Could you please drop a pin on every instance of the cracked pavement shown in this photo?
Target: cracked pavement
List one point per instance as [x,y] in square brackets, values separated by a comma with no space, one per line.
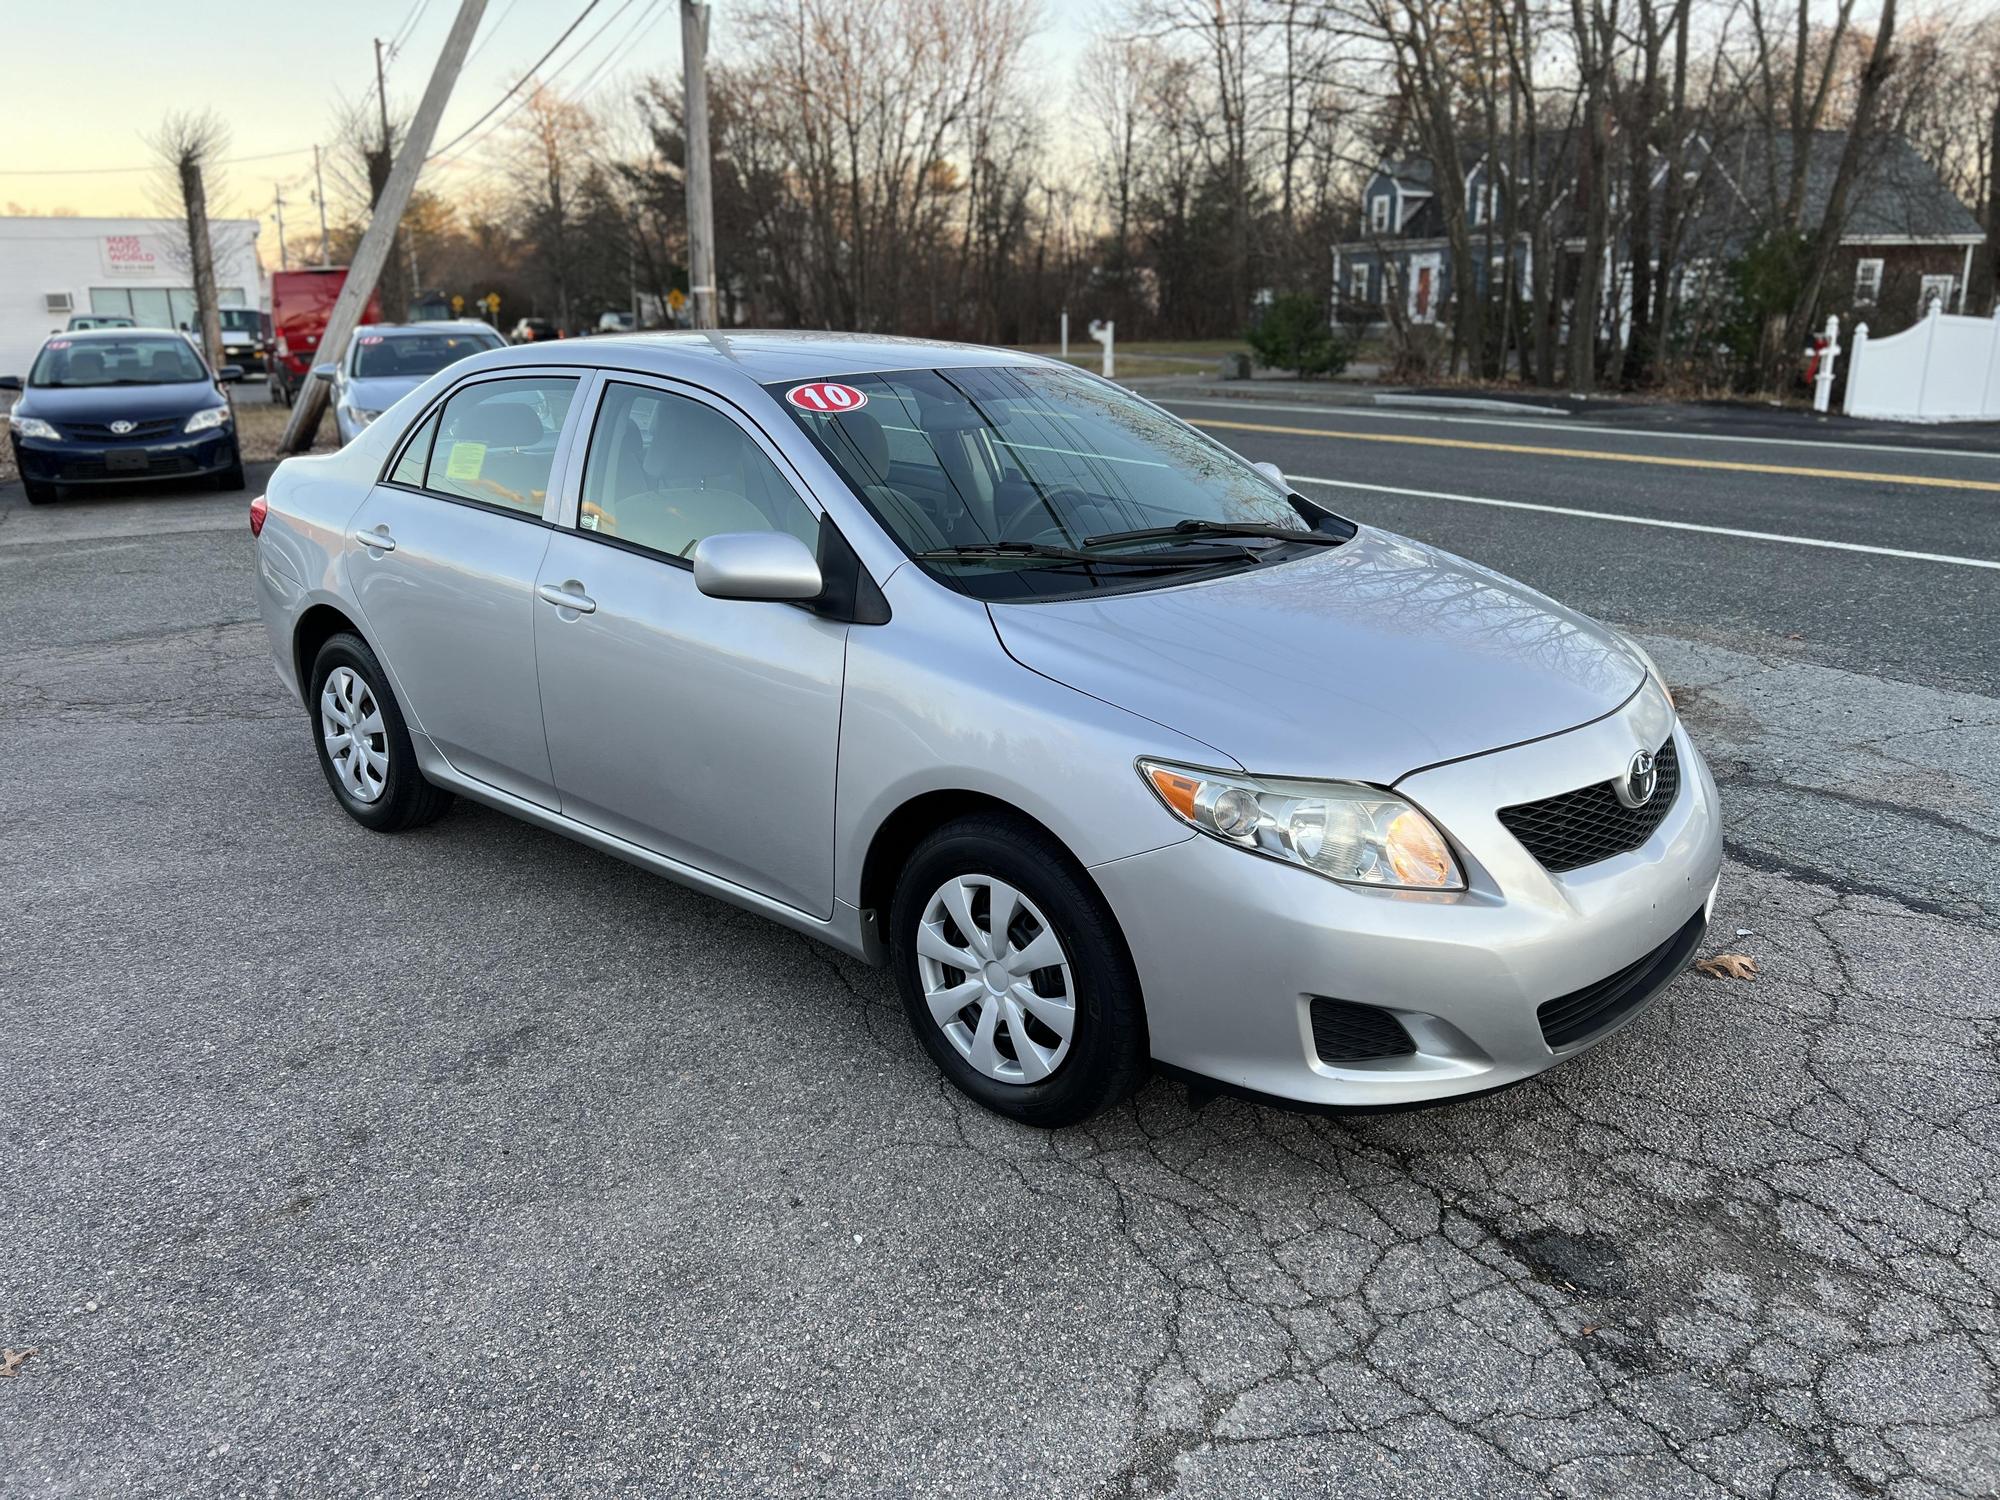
[472,1160]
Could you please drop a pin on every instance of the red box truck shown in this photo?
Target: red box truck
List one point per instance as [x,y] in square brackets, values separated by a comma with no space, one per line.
[301,302]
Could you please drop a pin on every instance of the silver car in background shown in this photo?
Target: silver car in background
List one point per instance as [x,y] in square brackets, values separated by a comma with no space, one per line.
[386,361]
[1119,752]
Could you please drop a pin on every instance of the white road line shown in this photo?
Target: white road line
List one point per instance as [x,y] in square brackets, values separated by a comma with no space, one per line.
[1600,515]
[1573,428]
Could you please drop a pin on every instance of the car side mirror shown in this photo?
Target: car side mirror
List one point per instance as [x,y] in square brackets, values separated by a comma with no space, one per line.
[756,565]
[1275,474]
[325,372]
[10,382]
[229,372]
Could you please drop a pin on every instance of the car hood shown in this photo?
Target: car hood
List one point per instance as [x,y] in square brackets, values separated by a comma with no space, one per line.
[382,392]
[110,403]
[1363,662]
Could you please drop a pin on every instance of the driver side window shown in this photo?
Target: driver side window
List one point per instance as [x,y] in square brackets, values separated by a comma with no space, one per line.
[663,472]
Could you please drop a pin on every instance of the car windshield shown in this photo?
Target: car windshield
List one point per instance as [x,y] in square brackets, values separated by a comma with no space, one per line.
[239,319]
[144,359]
[380,356]
[1030,463]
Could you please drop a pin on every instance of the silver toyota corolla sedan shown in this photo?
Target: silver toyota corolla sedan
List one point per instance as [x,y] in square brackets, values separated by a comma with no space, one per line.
[1115,749]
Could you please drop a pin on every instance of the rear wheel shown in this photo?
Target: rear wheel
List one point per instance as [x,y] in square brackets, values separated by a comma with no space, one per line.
[39,491]
[364,746]
[1014,975]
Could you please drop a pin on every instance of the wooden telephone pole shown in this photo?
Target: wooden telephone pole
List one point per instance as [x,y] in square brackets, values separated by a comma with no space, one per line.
[380,237]
[700,203]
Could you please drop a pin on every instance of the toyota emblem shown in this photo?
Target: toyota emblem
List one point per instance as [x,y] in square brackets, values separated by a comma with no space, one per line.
[122,427]
[1642,779]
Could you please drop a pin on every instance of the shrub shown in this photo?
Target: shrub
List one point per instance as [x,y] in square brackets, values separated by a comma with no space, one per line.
[1294,335]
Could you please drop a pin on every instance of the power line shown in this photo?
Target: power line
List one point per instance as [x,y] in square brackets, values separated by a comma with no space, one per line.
[150,166]
[647,21]
[480,45]
[593,4]
[409,27]
[557,70]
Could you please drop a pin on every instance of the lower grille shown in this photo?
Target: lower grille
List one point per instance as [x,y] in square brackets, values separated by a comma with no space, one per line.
[1572,1017]
[1344,1032]
[1574,829]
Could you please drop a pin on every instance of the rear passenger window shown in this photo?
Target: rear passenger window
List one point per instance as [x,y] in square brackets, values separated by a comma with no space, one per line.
[496,441]
[664,472]
[416,457]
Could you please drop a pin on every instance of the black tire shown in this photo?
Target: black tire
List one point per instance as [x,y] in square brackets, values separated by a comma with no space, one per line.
[1107,1057]
[407,799]
[232,478]
[39,491]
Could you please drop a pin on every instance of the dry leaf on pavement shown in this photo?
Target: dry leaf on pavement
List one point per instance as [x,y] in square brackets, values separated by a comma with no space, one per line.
[1729,966]
[11,1361]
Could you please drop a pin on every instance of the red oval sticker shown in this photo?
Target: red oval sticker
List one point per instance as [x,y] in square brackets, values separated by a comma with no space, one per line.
[826,397]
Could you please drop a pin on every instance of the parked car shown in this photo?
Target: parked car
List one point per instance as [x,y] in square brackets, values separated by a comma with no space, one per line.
[301,303]
[105,405]
[79,322]
[386,361]
[533,331]
[1113,746]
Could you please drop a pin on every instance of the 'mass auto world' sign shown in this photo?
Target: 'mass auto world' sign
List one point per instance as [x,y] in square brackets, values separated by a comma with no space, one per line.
[130,255]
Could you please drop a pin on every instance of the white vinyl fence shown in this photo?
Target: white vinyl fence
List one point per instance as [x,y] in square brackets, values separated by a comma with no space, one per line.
[1945,369]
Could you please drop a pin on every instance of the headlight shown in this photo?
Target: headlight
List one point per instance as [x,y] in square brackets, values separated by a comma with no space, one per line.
[207,417]
[35,427]
[361,418]
[1339,829]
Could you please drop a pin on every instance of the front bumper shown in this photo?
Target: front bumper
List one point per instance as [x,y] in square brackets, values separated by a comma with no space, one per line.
[72,461]
[1231,949]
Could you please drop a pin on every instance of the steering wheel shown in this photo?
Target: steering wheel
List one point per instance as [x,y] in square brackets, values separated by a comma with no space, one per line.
[1065,504]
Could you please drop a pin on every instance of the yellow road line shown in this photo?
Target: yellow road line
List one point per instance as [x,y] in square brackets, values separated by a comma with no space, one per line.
[1930,480]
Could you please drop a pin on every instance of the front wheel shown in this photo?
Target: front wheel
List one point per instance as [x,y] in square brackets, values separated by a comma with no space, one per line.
[1014,974]
[364,747]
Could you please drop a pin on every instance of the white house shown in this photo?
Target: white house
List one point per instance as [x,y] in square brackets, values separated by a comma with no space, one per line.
[136,268]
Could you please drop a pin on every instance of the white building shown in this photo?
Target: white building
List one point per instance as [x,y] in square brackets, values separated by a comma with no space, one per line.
[135,268]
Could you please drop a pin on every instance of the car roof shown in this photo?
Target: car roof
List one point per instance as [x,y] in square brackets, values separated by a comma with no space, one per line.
[111,335]
[723,359]
[435,325]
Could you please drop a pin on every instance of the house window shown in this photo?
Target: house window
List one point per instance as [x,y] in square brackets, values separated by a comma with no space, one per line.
[1357,282]
[1867,281]
[1936,289]
[1378,213]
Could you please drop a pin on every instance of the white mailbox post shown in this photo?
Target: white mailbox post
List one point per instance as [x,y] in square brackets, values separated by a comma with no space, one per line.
[1103,332]
[1823,372]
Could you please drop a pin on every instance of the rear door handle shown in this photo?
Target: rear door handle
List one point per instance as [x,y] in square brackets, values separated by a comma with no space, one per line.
[562,598]
[379,539]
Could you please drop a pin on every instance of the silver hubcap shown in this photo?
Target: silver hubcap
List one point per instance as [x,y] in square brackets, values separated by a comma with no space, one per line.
[996,979]
[350,721]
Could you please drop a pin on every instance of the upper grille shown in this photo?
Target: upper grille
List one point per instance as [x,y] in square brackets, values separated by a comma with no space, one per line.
[1574,829]
[151,427]
[1346,1032]
[1572,1017]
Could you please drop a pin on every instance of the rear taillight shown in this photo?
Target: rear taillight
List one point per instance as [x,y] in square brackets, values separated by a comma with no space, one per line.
[259,508]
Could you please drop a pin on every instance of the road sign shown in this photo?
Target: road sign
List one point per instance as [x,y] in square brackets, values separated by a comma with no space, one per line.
[677,299]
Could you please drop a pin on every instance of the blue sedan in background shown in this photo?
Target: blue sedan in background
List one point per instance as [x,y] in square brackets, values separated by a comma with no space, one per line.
[386,361]
[113,404]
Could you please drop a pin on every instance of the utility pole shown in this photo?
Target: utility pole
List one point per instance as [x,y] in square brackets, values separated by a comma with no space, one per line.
[319,197]
[379,240]
[700,204]
[381,94]
[284,263]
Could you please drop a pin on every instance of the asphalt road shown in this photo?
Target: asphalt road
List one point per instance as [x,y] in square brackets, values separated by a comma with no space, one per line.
[470,1160]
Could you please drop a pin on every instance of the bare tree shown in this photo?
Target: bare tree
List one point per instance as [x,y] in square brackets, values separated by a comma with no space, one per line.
[189,144]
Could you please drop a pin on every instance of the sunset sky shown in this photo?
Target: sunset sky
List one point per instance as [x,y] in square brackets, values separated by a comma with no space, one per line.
[86,82]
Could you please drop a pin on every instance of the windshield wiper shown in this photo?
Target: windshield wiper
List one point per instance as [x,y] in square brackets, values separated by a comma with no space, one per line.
[1193,528]
[976,550]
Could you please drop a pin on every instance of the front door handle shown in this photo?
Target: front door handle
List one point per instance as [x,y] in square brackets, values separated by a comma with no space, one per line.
[567,596]
[379,539]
